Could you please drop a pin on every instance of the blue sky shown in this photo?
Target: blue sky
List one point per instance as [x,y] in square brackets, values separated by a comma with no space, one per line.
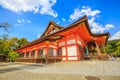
[29,18]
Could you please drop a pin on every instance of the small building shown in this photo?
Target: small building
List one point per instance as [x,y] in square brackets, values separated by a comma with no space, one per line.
[58,43]
[3,58]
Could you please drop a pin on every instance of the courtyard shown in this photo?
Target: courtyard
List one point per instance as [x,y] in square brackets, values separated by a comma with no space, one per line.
[102,70]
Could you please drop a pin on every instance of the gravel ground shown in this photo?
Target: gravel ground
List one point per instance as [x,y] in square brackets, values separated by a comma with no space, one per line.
[105,70]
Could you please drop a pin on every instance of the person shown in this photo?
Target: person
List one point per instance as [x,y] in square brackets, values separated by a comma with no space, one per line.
[111,58]
[99,56]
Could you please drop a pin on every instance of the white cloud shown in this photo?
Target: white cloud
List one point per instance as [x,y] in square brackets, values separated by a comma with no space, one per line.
[115,36]
[36,6]
[24,21]
[78,12]
[63,19]
[95,27]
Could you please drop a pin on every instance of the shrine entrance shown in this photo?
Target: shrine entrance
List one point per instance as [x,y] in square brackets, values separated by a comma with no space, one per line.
[92,48]
[91,51]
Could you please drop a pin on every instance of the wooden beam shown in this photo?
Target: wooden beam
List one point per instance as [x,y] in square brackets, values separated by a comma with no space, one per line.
[98,49]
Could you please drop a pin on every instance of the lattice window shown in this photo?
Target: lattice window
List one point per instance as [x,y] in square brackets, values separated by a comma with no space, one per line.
[27,54]
[50,52]
[33,53]
[59,52]
[71,41]
[61,44]
[40,52]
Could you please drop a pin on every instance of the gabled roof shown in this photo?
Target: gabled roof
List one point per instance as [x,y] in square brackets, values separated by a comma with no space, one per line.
[61,29]
[51,25]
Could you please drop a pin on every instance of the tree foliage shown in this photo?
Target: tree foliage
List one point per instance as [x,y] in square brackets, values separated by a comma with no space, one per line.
[113,47]
[5,26]
[117,51]
[13,55]
[4,46]
[8,44]
[21,42]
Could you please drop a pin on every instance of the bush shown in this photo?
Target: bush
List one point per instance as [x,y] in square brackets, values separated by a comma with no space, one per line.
[13,55]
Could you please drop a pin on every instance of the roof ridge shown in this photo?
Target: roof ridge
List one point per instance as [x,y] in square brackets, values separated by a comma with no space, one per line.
[80,19]
[55,25]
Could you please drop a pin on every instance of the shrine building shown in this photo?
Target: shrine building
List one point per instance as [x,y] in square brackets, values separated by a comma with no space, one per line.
[58,43]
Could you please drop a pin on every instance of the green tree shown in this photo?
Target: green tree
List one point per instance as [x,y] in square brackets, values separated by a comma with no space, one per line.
[22,41]
[4,37]
[5,26]
[13,55]
[111,46]
[117,51]
[4,46]
[9,44]
[13,43]
[102,49]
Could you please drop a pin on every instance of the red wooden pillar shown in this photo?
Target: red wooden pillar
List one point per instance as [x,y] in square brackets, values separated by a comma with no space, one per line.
[30,52]
[77,49]
[54,54]
[36,53]
[23,60]
[25,54]
[57,51]
[29,60]
[47,48]
[66,49]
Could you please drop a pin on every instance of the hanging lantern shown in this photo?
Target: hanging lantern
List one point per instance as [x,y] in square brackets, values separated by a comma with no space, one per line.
[47,42]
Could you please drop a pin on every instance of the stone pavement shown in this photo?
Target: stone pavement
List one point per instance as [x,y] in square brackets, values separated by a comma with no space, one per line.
[105,70]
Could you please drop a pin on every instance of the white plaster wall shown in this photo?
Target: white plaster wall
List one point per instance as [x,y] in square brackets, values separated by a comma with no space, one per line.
[63,51]
[54,52]
[61,44]
[72,58]
[72,50]
[63,58]
[71,41]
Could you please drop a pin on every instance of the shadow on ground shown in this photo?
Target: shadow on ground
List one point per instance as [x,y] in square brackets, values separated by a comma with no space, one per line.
[8,67]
